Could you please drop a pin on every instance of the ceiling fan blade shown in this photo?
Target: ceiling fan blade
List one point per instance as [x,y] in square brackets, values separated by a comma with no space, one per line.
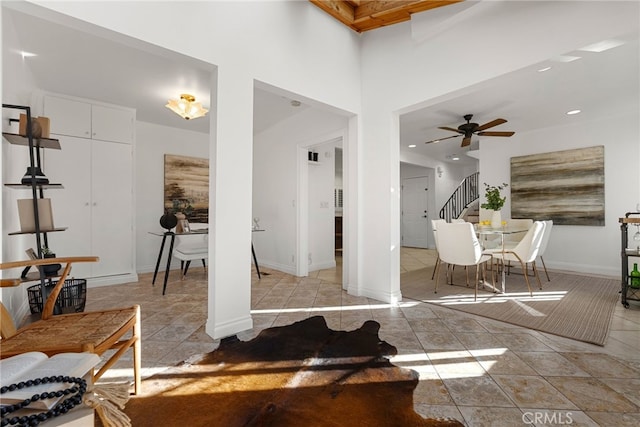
[491,124]
[441,139]
[496,133]
[451,129]
[466,141]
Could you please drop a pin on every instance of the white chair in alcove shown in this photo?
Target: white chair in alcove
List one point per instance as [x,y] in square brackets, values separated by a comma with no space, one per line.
[458,245]
[193,246]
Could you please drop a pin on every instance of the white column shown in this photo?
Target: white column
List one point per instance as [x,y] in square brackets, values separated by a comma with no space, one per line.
[380,184]
[229,304]
[351,226]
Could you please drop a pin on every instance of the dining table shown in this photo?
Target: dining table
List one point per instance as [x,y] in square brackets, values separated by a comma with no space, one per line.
[487,231]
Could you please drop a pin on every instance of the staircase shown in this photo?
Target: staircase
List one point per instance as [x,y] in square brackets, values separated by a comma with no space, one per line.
[464,202]
[472,212]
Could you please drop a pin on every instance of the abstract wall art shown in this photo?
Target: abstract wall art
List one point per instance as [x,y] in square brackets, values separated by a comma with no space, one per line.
[564,186]
[186,186]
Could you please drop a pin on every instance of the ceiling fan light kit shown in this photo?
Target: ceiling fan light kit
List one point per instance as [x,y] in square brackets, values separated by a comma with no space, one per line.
[467,130]
[187,107]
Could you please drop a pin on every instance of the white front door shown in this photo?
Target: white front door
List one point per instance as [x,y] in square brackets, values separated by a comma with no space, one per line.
[415,215]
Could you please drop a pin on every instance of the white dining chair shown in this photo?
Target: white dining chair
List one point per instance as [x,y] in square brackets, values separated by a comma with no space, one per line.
[434,226]
[511,240]
[191,247]
[458,245]
[548,225]
[525,252]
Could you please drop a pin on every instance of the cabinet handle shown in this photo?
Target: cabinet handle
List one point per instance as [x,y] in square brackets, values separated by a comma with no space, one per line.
[86,204]
[94,203]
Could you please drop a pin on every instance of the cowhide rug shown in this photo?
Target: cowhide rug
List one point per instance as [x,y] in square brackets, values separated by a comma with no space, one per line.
[304,374]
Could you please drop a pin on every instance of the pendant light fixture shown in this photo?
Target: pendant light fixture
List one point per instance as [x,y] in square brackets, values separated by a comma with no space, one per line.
[187,107]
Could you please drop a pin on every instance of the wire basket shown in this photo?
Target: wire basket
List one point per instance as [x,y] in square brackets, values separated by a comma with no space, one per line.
[71,299]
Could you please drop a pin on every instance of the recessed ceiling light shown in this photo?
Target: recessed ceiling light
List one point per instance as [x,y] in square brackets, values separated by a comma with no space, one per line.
[412,146]
[564,58]
[572,112]
[602,46]
[455,158]
[542,70]
[295,103]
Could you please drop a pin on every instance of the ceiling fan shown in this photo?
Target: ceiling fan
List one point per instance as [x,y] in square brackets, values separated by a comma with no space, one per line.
[468,129]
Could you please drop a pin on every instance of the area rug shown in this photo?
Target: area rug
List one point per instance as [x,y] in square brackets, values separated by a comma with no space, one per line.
[572,306]
[303,374]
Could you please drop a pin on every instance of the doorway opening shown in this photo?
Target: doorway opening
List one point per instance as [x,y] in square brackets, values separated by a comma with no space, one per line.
[320,225]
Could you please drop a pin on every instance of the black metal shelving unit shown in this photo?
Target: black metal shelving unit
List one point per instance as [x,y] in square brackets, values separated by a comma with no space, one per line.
[37,189]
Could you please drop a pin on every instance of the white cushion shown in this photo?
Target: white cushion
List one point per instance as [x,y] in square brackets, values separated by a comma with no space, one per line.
[189,250]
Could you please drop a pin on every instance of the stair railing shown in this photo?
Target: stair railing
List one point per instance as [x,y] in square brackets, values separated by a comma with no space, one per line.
[466,193]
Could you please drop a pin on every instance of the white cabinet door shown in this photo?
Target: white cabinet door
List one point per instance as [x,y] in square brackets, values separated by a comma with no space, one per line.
[71,206]
[85,120]
[96,204]
[112,124]
[112,208]
[68,117]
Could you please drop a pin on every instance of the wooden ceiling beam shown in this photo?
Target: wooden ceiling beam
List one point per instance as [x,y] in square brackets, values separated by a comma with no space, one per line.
[341,10]
[364,15]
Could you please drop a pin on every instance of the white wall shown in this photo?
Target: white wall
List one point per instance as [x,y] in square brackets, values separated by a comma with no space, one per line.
[152,143]
[586,249]
[275,186]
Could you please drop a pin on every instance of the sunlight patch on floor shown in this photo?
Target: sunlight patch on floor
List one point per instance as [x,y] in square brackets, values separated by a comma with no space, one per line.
[334,308]
[498,298]
[448,364]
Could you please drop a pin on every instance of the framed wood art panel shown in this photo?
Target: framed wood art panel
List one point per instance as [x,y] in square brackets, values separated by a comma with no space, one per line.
[564,186]
[186,186]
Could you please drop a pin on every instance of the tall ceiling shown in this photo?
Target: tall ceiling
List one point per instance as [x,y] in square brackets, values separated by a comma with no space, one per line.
[598,83]
[84,65]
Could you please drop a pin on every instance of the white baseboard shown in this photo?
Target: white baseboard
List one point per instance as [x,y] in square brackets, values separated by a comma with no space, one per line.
[322,265]
[581,269]
[289,269]
[228,328]
[119,279]
[388,297]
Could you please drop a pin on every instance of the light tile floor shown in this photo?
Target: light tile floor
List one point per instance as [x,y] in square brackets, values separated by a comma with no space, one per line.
[479,371]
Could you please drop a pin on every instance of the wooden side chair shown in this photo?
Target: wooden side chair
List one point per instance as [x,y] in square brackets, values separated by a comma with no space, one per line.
[95,332]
